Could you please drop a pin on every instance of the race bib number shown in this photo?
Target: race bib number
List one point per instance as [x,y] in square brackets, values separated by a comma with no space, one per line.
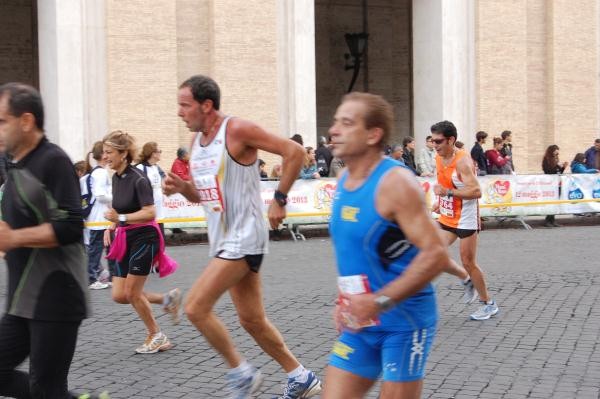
[354,285]
[447,206]
[210,193]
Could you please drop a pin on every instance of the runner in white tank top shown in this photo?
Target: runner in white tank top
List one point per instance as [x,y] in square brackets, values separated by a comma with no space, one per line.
[225,180]
[230,193]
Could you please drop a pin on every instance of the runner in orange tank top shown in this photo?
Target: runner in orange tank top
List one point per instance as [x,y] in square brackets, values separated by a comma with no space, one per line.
[458,191]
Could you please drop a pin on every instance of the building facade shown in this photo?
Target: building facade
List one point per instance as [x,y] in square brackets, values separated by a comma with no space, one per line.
[529,66]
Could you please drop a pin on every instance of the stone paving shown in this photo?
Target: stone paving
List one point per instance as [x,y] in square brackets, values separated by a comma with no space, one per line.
[542,344]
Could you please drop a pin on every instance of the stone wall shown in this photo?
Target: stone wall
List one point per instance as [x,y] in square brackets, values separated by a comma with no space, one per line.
[18,42]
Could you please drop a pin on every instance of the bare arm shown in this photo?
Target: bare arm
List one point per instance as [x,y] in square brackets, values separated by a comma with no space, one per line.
[292,154]
[41,236]
[408,209]
[144,215]
[471,190]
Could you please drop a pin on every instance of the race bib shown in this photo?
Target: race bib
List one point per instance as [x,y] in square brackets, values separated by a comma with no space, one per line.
[447,206]
[210,193]
[354,285]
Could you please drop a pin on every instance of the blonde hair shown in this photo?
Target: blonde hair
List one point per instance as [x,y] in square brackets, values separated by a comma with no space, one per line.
[147,150]
[121,142]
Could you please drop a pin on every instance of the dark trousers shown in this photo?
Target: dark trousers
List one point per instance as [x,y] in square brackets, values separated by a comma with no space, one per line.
[50,347]
[94,252]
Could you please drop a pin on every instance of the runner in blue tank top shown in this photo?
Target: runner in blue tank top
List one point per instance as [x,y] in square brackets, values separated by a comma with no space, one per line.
[387,250]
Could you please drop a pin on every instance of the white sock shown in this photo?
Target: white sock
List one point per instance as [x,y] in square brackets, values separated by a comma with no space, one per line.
[299,373]
[465,281]
[166,299]
[490,302]
[243,368]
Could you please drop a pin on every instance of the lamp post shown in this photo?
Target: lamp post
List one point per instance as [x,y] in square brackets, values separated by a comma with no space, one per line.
[357,43]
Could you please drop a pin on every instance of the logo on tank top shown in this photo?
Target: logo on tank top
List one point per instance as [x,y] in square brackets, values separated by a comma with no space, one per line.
[349,213]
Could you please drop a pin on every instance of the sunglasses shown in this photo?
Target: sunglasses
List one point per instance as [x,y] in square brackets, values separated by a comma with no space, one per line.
[438,141]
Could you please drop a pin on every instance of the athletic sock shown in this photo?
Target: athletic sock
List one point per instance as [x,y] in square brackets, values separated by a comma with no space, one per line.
[490,302]
[166,299]
[299,374]
[466,281]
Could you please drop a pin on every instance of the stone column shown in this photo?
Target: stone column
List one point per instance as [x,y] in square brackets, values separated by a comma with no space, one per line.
[296,69]
[443,66]
[72,65]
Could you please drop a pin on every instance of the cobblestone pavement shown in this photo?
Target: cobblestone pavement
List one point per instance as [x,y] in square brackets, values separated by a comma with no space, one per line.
[542,344]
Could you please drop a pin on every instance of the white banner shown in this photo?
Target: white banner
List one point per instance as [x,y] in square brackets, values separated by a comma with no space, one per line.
[314,197]
[580,187]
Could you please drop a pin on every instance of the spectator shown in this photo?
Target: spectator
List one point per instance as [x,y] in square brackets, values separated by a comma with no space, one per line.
[276,171]
[336,167]
[426,159]
[552,166]
[97,186]
[578,165]
[409,153]
[298,139]
[3,163]
[323,156]
[148,163]
[181,165]
[309,170]
[261,169]
[592,156]
[397,152]
[506,150]
[497,164]
[80,168]
[478,155]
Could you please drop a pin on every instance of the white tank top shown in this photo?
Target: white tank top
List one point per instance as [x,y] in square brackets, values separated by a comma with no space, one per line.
[230,194]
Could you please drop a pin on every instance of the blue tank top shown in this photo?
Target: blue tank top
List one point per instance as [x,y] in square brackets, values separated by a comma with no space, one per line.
[366,243]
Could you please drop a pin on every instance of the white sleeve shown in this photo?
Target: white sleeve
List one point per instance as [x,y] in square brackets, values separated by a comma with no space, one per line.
[101,188]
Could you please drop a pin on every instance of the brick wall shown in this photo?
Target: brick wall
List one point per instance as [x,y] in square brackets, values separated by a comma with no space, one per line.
[537,74]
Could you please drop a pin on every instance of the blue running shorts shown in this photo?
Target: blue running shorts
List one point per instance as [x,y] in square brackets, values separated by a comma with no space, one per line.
[401,356]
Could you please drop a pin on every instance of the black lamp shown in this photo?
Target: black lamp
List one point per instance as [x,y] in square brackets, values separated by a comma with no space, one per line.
[357,43]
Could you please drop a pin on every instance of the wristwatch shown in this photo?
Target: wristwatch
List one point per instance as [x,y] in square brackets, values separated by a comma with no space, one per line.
[280,198]
[384,302]
[450,193]
[122,219]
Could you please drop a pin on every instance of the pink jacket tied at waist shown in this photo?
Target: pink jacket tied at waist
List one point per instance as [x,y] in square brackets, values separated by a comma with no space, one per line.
[166,265]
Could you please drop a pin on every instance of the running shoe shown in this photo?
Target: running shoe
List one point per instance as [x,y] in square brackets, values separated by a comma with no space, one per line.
[301,389]
[173,305]
[244,385]
[470,294]
[98,285]
[155,343]
[485,311]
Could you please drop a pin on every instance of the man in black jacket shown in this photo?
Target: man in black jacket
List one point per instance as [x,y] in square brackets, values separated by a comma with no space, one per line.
[478,154]
[42,236]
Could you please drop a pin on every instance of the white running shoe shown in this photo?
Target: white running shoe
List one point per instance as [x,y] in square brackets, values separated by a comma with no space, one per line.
[485,311]
[470,295]
[173,305]
[244,385]
[155,343]
[98,285]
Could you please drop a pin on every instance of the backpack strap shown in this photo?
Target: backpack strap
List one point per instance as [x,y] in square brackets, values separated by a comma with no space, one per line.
[88,182]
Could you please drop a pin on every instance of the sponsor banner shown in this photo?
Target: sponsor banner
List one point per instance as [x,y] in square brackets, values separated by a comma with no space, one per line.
[314,197]
[580,187]
[499,189]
